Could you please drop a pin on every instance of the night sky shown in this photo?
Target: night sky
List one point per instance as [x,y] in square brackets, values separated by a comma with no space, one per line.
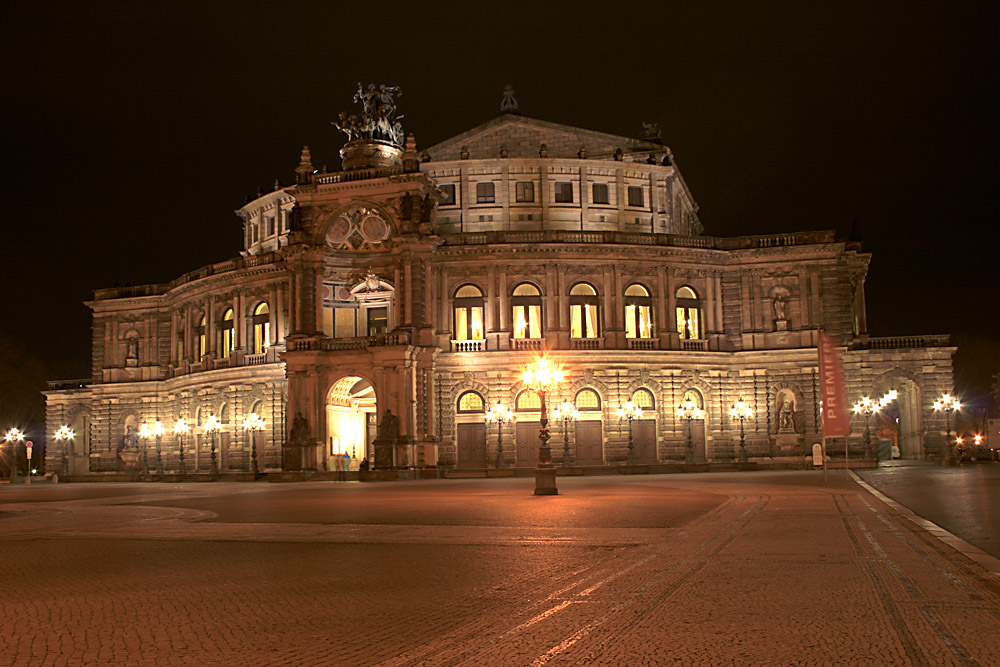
[131,131]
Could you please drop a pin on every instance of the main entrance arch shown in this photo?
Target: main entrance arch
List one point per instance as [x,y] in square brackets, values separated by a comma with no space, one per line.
[350,421]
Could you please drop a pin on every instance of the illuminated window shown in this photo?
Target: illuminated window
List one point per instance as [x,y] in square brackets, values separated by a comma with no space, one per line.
[378,320]
[261,328]
[643,398]
[485,193]
[638,312]
[227,341]
[564,192]
[527,303]
[587,400]
[469,307]
[584,311]
[527,401]
[634,195]
[688,314]
[202,348]
[449,194]
[524,191]
[601,193]
[471,401]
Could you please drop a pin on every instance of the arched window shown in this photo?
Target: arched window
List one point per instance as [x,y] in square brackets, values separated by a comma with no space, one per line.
[261,328]
[227,341]
[527,303]
[200,332]
[694,396]
[527,401]
[469,308]
[688,313]
[644,399]
[638,312]
[471,402]
[587,400]
[584,311]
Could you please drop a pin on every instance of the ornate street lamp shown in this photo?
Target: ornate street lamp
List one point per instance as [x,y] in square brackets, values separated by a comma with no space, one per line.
[542,377]
[742,412]
[180,430]
[629,411]
[688,411]
[867,407]
[158,431]
[63,435]
[14,436]
[499,413]
[949,404]
[253,424]
[144,432]
[567,412]
[213,426]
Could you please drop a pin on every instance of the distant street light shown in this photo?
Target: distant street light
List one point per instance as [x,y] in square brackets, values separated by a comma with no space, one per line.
[180,430]
[629,411]
[158,432]
[144,432]
[567,412]
[688,411]
[742,412]
[14,436]
[500,414]
[542,377]
[867,407]
[253,424]
[213,426]
[949,404]
[63,435]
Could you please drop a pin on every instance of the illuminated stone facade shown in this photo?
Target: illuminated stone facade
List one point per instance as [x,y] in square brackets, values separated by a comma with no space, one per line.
[415,278]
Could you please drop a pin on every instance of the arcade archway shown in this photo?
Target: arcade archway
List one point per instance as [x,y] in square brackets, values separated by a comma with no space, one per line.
[350,422]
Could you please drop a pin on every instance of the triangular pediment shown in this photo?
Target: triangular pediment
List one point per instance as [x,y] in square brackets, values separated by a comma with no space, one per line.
[522,137]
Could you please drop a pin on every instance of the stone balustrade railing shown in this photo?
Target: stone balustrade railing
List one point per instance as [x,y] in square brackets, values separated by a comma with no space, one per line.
[227,266]
[900,342]
[637,238]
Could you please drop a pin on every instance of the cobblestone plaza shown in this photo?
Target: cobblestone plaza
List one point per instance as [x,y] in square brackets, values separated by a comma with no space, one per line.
[742,569]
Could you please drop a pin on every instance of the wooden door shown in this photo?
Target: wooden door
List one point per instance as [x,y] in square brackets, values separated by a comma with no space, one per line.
[698,440]
[589,443]
[644,440]
[526,434]
[472,445]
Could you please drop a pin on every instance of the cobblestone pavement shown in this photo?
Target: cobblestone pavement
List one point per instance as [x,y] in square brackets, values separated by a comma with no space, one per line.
[714,569]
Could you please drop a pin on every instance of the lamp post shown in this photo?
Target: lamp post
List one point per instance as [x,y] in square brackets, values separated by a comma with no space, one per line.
[63,435]
[567,412]
[742,412]
[541,377]
[499,413]
[687,411]
[213,426]
[144,432]
[252,424]
[14,436]
[158,431]
[887,398]
[867,407]
[949,404]
[629,411]
[180,430]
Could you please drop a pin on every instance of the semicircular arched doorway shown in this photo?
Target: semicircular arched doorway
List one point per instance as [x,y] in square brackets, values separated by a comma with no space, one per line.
[350,422]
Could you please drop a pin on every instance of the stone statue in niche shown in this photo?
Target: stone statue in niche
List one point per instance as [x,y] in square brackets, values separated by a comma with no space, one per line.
[300,430]
[786,416]
[131,349]
[780,304]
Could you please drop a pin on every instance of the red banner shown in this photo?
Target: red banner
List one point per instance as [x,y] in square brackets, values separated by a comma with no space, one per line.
[836,412]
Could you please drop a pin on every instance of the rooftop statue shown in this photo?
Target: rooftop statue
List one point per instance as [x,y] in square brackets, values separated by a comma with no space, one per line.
[378,120]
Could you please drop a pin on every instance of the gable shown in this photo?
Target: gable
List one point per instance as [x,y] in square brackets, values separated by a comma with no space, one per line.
[523,138]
